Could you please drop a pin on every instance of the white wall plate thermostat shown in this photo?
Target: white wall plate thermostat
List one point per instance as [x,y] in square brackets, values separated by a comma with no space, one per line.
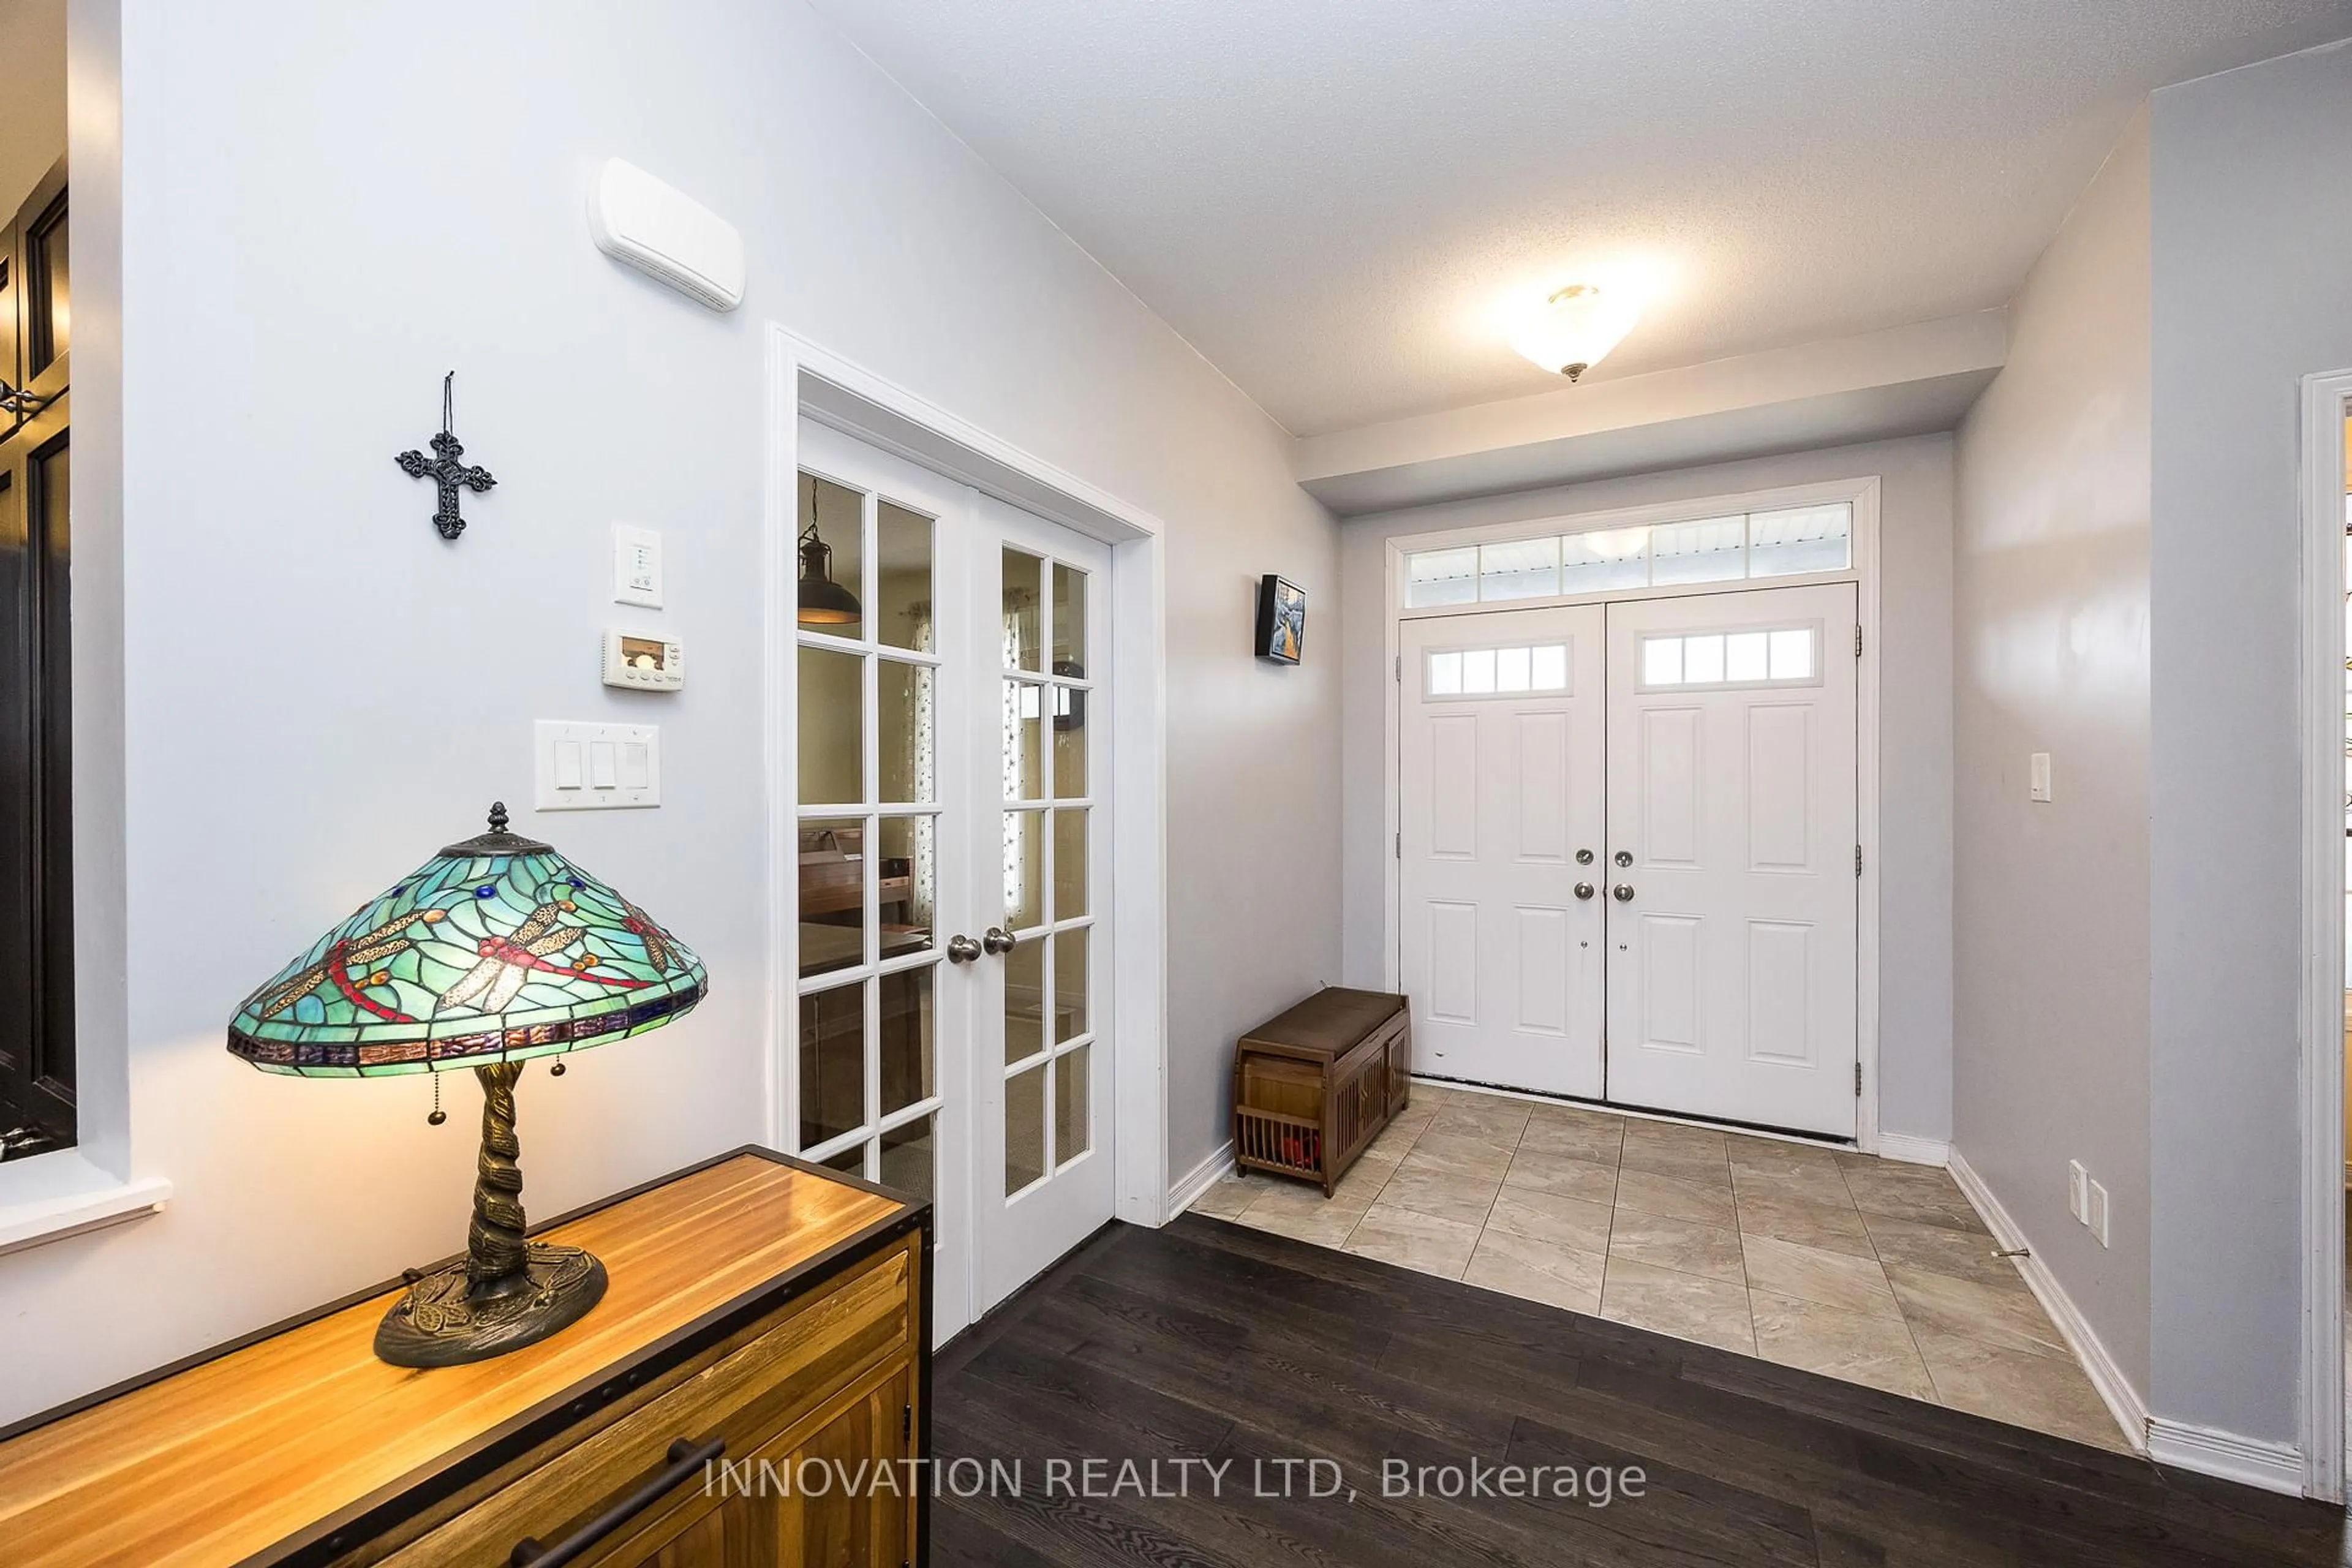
[642,663]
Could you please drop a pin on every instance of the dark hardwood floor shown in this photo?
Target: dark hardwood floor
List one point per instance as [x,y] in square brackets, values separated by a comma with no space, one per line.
[1212,1342]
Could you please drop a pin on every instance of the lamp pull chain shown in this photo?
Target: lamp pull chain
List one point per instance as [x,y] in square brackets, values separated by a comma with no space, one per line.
[439,1115]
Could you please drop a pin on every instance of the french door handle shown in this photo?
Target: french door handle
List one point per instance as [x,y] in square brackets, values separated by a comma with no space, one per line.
[1622,892]
[962,950]
[1584,889]
[999,940]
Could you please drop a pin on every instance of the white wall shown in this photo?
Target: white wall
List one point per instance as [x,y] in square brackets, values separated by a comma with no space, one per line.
[325,207]
[1915,725]
[2050,1040]
[32,96]
[2252,289]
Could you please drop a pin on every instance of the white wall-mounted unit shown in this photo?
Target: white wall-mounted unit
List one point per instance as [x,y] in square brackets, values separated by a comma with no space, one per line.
[666,234]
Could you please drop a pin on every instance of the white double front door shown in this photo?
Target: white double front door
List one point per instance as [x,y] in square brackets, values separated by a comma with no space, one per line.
[953,837]
[1627,852]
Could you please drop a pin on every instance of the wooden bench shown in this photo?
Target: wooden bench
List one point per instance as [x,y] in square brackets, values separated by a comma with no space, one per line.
[1315,1085]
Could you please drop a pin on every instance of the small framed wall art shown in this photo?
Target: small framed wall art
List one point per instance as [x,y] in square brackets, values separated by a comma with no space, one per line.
[1281,619]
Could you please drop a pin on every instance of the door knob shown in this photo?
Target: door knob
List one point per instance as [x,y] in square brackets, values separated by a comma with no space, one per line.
[1584,889]
[962,950]
[1622,892]
[999,940]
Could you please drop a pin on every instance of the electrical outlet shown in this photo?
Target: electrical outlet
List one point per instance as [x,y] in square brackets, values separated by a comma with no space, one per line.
[2095,1217]
[2038,777]
[2078,1200]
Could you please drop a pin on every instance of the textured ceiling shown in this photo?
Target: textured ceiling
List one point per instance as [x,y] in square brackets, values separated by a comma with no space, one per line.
[1339,202]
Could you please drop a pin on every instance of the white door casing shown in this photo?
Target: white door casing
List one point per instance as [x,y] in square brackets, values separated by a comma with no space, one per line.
[1500,790]
[1732,793]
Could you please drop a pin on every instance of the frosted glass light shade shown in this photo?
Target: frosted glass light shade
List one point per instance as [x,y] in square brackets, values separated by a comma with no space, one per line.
[1575,330]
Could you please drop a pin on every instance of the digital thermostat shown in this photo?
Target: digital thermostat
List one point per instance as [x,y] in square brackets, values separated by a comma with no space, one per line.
[643,663]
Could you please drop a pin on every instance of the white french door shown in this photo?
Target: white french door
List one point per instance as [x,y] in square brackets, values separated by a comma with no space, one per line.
[1733,854]
[952,898]
[1627,851]
[1500,806]
[1042,1178]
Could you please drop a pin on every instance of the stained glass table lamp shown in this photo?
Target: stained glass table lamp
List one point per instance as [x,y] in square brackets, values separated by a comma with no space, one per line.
[495,951]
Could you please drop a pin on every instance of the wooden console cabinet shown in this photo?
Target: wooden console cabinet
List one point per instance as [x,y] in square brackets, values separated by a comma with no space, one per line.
[1312,1086]
[761,1309]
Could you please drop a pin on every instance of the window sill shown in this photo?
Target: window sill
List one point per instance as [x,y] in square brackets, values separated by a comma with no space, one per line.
[51,1196]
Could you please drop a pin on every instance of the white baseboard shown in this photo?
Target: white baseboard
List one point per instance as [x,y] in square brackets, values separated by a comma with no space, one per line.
[1198,1180]
[2123,1401]
[1913,1150]
[2274,1467]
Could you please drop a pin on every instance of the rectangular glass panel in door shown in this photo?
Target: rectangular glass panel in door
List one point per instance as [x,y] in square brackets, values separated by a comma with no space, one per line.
[1045,1132]
[879,1086]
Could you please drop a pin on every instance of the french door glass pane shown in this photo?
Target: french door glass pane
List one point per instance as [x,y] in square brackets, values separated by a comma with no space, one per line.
[906,731]
[1070,745]
[850,1162]
[833,1063]
[1072,1134]
[833,894]
[907,884]
[909,1155]
[1025,1001]
[1024,869]
[831,727]
[1024,770]
[1069,983]
[908,1037]
[1069,620]
[1025,1128]
[1069,862]
[902,579]
[1024,578]
[839,517]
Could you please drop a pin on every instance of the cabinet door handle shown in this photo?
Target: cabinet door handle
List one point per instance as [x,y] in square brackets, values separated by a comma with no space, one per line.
[684,1459]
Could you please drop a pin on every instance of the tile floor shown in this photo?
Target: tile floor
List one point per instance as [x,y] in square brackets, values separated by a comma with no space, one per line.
[1842,1263]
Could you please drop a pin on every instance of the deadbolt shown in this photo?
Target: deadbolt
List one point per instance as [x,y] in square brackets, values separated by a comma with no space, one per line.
[962,950]
[1624,857]
[1622,892]
[1584,857]
[1584,889]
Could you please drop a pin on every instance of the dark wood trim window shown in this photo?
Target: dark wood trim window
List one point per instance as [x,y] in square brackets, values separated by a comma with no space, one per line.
[36,997]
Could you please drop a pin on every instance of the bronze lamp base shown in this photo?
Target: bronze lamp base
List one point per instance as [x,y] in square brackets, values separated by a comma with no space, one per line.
[509,1292]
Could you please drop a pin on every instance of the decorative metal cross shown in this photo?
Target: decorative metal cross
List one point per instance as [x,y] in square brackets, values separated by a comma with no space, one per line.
[446,471]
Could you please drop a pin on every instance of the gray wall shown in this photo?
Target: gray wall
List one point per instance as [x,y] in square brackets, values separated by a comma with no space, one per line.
[2253,289]
[1915,726]
[325,207]
[2050,1028]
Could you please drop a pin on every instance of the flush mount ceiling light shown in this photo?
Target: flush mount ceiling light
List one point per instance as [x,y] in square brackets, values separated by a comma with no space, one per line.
[1576,329]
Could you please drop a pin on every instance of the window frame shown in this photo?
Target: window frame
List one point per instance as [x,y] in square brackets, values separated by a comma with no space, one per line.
[1860,495]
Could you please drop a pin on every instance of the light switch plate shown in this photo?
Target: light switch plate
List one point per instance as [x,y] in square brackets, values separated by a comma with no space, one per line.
[597,767]
[636,566]
[2078,1181]
[2096,1218]
[2038,776]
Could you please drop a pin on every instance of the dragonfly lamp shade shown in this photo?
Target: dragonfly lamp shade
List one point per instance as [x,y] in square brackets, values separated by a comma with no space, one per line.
[495,951]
